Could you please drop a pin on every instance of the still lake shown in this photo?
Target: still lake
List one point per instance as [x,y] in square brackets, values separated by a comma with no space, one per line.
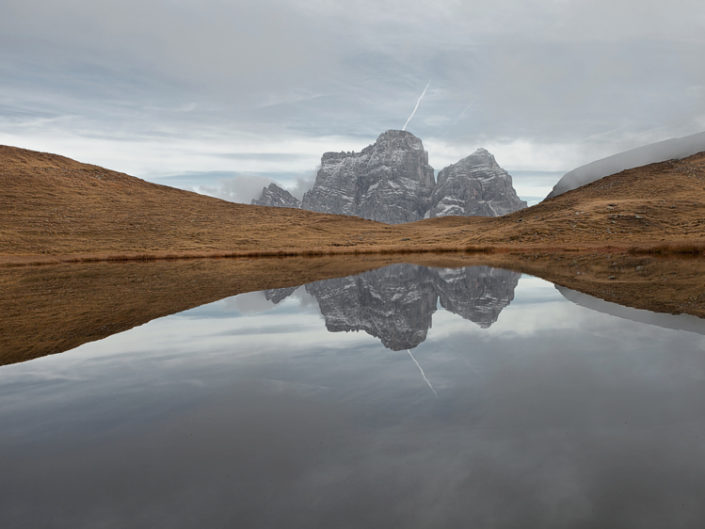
[401,397]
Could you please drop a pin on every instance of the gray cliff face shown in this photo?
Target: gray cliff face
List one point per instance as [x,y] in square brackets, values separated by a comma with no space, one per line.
[476,185]
[388,181]
[391,181]
[273,195]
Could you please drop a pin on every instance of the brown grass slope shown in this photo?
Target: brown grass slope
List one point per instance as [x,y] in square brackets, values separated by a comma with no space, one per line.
[57,208]
[658,203]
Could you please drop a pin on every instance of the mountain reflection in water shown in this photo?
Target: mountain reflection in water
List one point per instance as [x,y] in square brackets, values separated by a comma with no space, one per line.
[396,303]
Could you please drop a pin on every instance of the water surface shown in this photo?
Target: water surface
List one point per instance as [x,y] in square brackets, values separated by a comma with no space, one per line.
[402,397]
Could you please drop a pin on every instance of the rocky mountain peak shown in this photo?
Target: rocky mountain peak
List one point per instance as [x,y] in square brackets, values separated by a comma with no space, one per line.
[389,181]
[475,185]
[275,196]
[399,139]
[481,158]
[481,151]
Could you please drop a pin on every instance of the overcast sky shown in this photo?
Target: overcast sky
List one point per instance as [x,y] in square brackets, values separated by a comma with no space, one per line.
[225,96]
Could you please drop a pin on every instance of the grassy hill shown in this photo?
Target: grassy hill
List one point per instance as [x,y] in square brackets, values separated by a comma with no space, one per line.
[54,208]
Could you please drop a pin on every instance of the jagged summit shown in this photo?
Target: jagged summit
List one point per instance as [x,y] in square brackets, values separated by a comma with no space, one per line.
[481,157]
[273,195]
[399,138]
[481,151]
[389,181]
[475,185]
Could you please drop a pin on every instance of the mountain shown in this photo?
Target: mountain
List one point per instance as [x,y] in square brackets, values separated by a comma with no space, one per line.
[389,181]
[275,196]
[476,185]
[673,149]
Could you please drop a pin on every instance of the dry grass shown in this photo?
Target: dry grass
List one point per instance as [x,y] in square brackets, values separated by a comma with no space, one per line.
[56,209]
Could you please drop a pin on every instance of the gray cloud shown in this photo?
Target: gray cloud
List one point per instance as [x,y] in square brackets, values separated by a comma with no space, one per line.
[585,79]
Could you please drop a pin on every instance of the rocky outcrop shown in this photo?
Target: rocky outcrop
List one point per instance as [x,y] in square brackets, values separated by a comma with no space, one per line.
[273,195]
[476,185]
[388,181]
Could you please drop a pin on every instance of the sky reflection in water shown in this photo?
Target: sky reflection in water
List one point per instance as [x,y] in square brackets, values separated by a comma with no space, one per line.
[247,413]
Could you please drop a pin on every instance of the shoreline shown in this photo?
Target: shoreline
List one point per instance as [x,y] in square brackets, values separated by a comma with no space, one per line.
[655,249]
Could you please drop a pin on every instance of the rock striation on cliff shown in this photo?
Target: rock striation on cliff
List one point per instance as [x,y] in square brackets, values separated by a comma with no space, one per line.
[389,181]
[273,195]
[476,185]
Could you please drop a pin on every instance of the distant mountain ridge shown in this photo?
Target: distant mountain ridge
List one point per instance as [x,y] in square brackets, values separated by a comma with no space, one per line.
[275,196]
[391,181]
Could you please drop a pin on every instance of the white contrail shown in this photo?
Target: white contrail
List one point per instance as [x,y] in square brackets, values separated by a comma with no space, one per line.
[416,106]
[428,382]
